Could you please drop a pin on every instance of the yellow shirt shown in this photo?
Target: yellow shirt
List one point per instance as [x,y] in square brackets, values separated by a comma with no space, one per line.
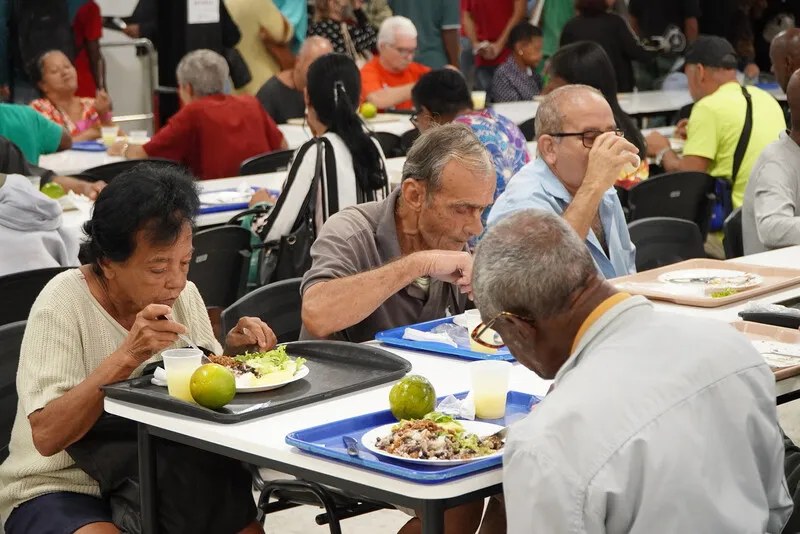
[716,124]
[250,16]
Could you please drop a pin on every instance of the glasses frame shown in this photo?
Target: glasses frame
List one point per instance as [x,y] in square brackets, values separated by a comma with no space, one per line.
[582,135]
[479,330]
[414,119]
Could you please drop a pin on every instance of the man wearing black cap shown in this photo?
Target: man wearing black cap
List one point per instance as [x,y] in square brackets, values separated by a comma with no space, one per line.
[718,118]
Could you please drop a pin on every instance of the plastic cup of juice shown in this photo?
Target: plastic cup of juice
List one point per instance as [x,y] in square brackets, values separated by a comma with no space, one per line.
[180,364]
[478,99]
[109,134]
[473,319]
[490,388]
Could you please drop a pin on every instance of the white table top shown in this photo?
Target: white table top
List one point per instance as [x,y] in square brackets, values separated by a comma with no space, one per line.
[70,162]
[264,437]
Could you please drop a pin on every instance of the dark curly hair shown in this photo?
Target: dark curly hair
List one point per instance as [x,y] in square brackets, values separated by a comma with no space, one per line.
[158,199]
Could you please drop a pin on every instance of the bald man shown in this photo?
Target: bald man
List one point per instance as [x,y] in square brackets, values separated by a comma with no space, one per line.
[771,209]
[784,52]
[282,95]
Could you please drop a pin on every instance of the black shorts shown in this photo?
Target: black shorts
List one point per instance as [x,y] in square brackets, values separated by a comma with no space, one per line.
[63,512]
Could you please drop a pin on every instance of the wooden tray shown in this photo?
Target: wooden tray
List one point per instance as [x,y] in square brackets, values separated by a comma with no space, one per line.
[775,278]
[765,332]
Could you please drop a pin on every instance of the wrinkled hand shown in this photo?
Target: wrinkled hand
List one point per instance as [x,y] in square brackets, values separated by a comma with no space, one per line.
[447,266]
[492,51]
[680,129]
[656,142]
[92,189]
[102,103]
[250,332]
[752,70]
[149,335]
[116,148]
[134,31]
[608,156]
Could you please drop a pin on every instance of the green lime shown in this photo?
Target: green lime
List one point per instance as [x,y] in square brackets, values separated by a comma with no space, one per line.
[212,386]
[368,110]
[412,398]
[53,190]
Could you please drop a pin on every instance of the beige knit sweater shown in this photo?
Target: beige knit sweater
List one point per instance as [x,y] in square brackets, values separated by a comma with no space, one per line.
[68,335]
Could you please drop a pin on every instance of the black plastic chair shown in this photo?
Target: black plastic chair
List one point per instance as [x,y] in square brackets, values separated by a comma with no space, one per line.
[221,264]
[10,344]
[391,144]
[733,241]
[110,171]
[680,195]
[528,129]
[265,163]
[278,304]
[19,291]
[408,138]
[663,241]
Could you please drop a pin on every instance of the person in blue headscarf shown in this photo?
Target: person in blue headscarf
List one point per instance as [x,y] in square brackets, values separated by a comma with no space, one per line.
[296,12]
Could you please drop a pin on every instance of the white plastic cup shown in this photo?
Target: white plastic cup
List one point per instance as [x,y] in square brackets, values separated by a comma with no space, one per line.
[478,100]
[137,137]
[109,134]
[180,364]
[490,388]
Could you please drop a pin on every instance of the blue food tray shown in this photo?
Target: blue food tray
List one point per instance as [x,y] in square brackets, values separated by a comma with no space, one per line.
[326,441]
[217,208]
[89,146]
[394,337]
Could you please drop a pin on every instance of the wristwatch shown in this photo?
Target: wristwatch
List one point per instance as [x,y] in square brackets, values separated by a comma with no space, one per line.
[660,155]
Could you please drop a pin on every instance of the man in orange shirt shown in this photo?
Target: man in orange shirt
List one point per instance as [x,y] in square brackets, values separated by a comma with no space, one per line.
[388,78]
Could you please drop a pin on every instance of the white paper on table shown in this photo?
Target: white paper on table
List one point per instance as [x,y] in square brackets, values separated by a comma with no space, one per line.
[417,335]
[79,202]
[202,11]
[159,377]
[777,354]
[462,409]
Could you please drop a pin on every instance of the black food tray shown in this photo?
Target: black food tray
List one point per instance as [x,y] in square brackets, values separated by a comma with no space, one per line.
[336,368]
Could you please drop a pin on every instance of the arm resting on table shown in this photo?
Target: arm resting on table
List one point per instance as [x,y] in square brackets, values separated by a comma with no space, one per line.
[391,96]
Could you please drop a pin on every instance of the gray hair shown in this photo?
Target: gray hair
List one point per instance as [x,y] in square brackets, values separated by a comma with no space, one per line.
[550,115]
[440,145]
[394,26]
[205,70]
[530,263]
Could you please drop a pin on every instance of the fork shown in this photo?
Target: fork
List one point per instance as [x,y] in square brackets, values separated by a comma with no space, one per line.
[500,434]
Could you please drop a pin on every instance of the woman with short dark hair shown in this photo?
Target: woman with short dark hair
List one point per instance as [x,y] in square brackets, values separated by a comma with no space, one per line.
[595,22]
[99,324]
[517,79]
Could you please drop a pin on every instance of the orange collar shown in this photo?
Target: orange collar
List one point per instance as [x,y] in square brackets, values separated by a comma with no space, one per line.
[598,312]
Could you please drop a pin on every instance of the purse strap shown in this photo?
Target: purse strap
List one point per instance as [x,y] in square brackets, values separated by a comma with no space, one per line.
[348,41]
[744,139]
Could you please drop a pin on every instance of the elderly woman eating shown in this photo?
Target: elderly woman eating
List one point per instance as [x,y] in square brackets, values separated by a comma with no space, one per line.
[99,324]
[57,79]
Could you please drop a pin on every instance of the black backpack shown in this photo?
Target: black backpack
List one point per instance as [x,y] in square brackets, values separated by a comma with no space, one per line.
[37,26]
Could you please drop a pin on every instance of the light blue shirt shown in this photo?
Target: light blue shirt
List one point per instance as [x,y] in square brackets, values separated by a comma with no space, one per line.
[536,187]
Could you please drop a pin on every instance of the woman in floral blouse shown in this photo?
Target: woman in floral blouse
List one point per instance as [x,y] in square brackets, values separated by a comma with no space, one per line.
[330,19]
[57,79]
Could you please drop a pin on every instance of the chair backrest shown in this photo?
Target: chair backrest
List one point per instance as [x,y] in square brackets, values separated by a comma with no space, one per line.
[110,171]
[10,344]
[680,195]
[220,264]
[272,162]
[663,241]
[391,144]
[277,304]
[408,138]
[733,241]
[528,130]
[19,291]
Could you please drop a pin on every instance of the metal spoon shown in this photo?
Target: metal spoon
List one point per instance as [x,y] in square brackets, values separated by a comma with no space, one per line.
[185,339]
[500,434]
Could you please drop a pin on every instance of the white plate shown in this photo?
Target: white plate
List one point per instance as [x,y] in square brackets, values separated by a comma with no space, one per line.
[213,198]
[724,278]
[302,373]
[472,427]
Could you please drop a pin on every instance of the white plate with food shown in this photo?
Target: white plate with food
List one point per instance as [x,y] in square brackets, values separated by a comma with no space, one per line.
[263,371]
[778,355]
[221,198]
[722,278]
[425,442]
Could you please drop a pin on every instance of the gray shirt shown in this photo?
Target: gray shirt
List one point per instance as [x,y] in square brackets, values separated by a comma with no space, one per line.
[281,102]
[770,217]
[364,237]
[647,432]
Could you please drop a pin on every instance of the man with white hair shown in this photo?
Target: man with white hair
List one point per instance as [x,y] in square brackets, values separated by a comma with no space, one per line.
[582,154]
[644,430]
[213,133]
[388,78]
[282,95]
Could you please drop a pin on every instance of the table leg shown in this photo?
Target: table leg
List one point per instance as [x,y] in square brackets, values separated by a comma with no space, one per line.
[147,480]
[432,517]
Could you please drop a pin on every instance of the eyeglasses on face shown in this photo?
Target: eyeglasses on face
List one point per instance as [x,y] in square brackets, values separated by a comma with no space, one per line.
[484,335]
[404,51]
[589,136]
[414,118]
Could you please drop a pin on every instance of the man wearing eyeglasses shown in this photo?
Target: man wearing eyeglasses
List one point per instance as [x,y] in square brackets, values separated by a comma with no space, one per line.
[656,422]
[581,155]
[387,80]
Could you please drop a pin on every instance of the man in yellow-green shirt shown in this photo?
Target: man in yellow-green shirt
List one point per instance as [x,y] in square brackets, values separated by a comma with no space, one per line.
[718,117]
